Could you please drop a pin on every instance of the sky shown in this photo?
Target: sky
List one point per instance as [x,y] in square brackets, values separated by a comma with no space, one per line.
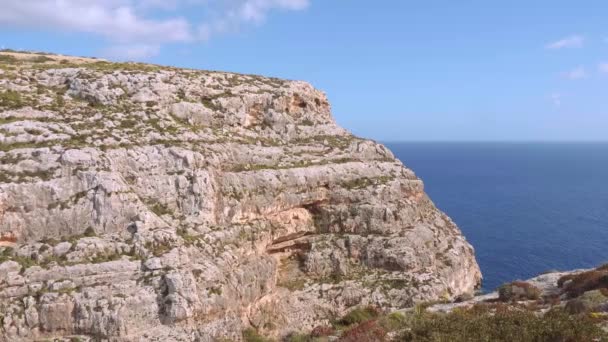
[394,70]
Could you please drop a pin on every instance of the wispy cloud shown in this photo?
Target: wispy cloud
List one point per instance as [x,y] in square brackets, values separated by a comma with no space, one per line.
[139,28]
[556,99]
[573,41]
[575,74]
[603,67]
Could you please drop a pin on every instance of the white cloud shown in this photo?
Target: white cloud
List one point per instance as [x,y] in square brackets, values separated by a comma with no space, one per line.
[138,28]
[245,12]
[576,73]
[603,67]
[573,41]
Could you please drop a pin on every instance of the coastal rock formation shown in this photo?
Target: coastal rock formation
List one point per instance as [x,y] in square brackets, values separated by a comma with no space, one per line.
[140,202]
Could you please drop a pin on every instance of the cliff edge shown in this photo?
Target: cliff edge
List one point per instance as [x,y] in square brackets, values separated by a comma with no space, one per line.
[140,202]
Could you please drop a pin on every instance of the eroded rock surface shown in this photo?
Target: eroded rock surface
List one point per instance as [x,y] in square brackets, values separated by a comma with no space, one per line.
[151,203]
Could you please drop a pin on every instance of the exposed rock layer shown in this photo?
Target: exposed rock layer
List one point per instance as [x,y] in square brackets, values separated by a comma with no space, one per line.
[150,203]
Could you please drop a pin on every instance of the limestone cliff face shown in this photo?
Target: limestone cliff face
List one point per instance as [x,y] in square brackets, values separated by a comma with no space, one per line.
[151,203]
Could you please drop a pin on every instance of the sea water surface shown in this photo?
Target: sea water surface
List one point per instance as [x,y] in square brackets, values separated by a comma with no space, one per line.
[526,207]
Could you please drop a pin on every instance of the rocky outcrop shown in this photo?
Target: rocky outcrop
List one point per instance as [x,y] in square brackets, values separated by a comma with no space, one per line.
[577,292]
[140,202]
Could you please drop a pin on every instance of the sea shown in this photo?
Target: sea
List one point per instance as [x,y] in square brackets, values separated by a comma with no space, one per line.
[527,208]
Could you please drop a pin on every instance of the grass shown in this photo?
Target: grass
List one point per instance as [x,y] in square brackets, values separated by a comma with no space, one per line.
[158,248]
[359,315]
[128,124]
[7,254]
[251,335]
[293,284]
[503,323]
[160,209]
[361,183]
[40,59]
[7,59]
[482,322]
[11,99]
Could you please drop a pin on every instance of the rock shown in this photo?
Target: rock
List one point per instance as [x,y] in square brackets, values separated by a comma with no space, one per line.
[62,248]
[139,201]
[153,264]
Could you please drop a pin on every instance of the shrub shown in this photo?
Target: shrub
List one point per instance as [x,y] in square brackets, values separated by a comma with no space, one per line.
[7,59]
[11,99]
[251,335]
[576,284]
[393,321]
[322,331]
[368,331]
[481,323]
[575,306]
[89,232]
[40,59]
[359,315]
[518,290]
[587,302]
[295,337]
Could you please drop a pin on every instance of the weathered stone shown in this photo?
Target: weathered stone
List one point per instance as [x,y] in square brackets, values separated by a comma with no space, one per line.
[167,204]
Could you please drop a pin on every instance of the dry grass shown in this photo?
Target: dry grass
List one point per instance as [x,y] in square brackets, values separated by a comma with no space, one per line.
[575,285]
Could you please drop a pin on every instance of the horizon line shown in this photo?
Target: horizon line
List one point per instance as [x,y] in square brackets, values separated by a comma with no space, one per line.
[496,141]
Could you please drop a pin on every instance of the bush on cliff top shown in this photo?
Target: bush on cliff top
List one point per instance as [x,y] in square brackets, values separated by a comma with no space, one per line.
[359,315]
[503,323]
[575,285]
[251,335]
[518,290]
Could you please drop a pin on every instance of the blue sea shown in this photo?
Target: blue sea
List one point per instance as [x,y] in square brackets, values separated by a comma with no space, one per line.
[526,207]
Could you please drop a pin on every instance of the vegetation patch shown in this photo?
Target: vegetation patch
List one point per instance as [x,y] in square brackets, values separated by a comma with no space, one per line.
[158,248]
[576,284]
[588,302]
[518,290]
[251,335]
[361,183]
[501,323]
[11,99]
[368,331]
[8,59]
[359,315]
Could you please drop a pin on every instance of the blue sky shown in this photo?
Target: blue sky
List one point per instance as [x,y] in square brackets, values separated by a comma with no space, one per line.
[393,70]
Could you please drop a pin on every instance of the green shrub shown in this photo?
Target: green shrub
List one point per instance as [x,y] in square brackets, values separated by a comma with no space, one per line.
[518,290]
[11,99]
[587,302]
[359,315]
[40,59]
[393,321]
[295,337]
[89,232]
[501,323]
[251,335]
[576,284]
[7,59]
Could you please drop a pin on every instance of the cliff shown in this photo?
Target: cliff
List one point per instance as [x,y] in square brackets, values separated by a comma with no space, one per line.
[140,202]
